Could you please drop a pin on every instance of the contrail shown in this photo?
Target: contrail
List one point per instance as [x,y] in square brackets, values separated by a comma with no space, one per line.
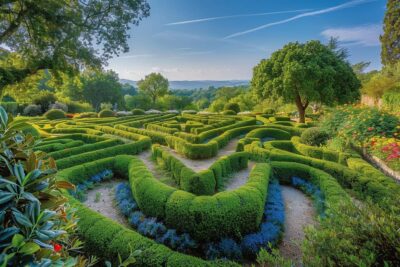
[307,14]
[235,16]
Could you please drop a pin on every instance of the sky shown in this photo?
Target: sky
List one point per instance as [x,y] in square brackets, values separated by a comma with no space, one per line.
[225,39]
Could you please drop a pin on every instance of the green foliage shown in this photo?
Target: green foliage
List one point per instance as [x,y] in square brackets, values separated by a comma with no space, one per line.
[371,238]
[63,41]
[314,136]
[391,100]
[137,111]
[386,80]
[31,211]
[10,107]
[45,100]
[358,125]
[32,110]
[272,258]
[54,114]
[105,113]
[269,111]
[228,112]
[139,101]
[154,85]
[101,87]
[390,46]
[305,73]
[233,107]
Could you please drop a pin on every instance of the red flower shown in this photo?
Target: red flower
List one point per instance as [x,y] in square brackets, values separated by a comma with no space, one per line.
[57,247]
[370,128]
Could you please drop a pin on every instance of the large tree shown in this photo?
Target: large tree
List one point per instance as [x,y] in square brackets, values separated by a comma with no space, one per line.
[101,87]
[64,35]
[154,85]
[390,39]
[305,73]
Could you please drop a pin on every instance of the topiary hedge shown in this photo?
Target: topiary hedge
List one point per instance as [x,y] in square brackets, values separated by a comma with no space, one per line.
[314,136]
[137,111]
[203,217]
[106,113]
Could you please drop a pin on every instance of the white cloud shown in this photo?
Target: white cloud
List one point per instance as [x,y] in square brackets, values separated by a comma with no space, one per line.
[367,35]
[303,15]
[136,56]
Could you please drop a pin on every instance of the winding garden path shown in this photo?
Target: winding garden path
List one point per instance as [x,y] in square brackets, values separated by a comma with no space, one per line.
[299,213]
[105,202]
[239,178]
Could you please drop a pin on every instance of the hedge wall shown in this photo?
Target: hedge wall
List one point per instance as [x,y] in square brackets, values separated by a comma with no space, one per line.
[203,217]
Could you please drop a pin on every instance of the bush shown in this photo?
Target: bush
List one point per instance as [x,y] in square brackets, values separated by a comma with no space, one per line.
[86,115]
[391,100]
[106,113]
[32,110]
[269,111]
[314,136]
[232,106]
[10,107]
[78,107]
[45,100]
[59,105]
[54,114]
[228,112]
[138,111]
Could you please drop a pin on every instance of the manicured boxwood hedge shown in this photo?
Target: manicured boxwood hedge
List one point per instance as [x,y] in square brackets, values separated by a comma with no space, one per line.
[192,151]
[382,190]
[159,128]
[84,148]
[128,149]
[59,146]
[116,239]
[76,130]
[320,152]
[269,132]
[203,217]
[205,182]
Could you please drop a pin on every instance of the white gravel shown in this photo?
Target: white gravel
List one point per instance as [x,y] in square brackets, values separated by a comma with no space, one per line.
[299,213]
[105,205]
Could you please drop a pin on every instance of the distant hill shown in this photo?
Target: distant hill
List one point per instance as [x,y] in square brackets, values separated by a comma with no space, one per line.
[197,84]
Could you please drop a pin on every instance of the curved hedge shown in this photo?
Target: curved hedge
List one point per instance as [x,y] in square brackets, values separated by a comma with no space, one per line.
[203,217]
[116,239]
[269,132]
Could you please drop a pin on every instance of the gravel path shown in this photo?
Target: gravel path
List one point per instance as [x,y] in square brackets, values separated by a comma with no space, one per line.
[239,178]
[105,202]
[145,156]
[203,164]
[299,213]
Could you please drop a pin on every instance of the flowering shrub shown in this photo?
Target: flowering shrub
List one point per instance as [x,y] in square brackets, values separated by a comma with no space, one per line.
[387,149]
[359,124]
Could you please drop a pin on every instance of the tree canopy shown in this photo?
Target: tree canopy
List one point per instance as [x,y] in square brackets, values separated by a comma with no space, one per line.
[101,87]
[390,39]
[154,85]
[64,35]
[305,73]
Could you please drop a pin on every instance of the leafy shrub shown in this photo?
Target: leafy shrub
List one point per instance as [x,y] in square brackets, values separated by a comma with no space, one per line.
[29,232]
[106,106]
[269,111]
[59,105]
[32,110]
[232,106]
[314,136]
[106,113]
[228,112]
[10,107]
[189,111]
[45,100]
[138,111]
[78,107]
[391,100]
[54,114]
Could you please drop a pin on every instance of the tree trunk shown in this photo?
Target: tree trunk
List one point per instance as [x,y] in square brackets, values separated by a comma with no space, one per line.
[301,108]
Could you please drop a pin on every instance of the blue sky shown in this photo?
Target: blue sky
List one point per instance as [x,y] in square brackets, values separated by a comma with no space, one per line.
[225,39]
